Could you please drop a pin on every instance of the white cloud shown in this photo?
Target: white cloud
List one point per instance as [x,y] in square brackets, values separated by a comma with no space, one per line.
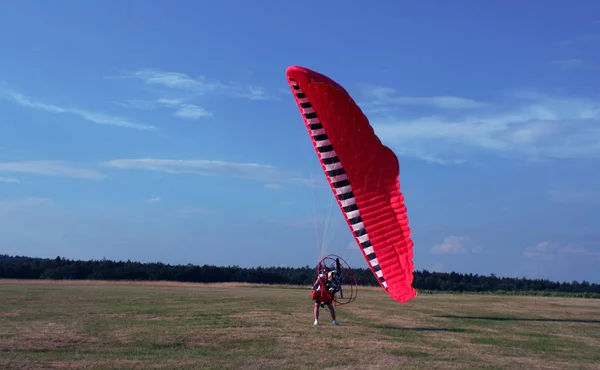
[533,125]
[250,171]
[98,118]
[385,95]
[273,186]
[182,89]
[51,168]
[153,200]
[138,104]
[8,180]
[540,249]
[182,109]
[174,80]
[574,63]
[592,38]
[551,250]
[571,248]
[455,245]
[191,111]
[169,102]
[198,85]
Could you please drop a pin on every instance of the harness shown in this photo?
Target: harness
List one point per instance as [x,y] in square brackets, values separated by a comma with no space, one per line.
[326,287]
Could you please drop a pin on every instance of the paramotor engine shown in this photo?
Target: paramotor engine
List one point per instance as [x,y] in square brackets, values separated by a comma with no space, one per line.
[345,279]
[363,175]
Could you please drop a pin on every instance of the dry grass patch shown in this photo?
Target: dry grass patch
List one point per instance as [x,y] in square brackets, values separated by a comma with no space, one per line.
[45,337]
[171,325]
[11,313]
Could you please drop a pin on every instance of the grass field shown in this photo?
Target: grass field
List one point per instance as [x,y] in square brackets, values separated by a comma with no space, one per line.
[76,324]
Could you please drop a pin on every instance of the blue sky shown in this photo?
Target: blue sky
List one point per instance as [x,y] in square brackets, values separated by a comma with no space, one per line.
[162,131]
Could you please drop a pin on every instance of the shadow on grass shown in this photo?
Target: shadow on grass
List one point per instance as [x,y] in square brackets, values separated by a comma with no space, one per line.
[422,329]
[491,318]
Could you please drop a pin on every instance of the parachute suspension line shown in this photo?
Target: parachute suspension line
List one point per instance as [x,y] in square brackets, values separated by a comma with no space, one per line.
[323,234]
[325,243]
[329,234]
[309,165]
[316,221]
[324,205]
[328,231]
[315,175]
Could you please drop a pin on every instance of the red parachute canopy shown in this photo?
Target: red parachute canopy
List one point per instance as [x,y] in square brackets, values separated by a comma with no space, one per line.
[363,174]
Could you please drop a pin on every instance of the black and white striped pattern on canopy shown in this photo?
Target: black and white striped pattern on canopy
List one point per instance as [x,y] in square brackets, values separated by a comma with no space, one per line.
[338,179]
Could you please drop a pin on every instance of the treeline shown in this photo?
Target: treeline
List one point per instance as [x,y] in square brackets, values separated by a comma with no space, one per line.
[18,267]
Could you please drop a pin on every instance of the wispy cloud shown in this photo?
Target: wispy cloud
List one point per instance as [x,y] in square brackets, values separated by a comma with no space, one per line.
[529,124]
[8,205]
[8,180]
[184,110]
[552,250]
[455,245]
[198,85]
[169,102]
[540,249]
[181,92]
[189,212]
[249,171]
[98,118]
[180,107]
[574,63]
[153,200]
[379,96]
[575,250]
[51,168]
[138,104]
[582,39]
[191,111]
[575,196]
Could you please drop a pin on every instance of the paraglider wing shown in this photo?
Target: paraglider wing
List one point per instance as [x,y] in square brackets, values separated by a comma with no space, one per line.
[363,175]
